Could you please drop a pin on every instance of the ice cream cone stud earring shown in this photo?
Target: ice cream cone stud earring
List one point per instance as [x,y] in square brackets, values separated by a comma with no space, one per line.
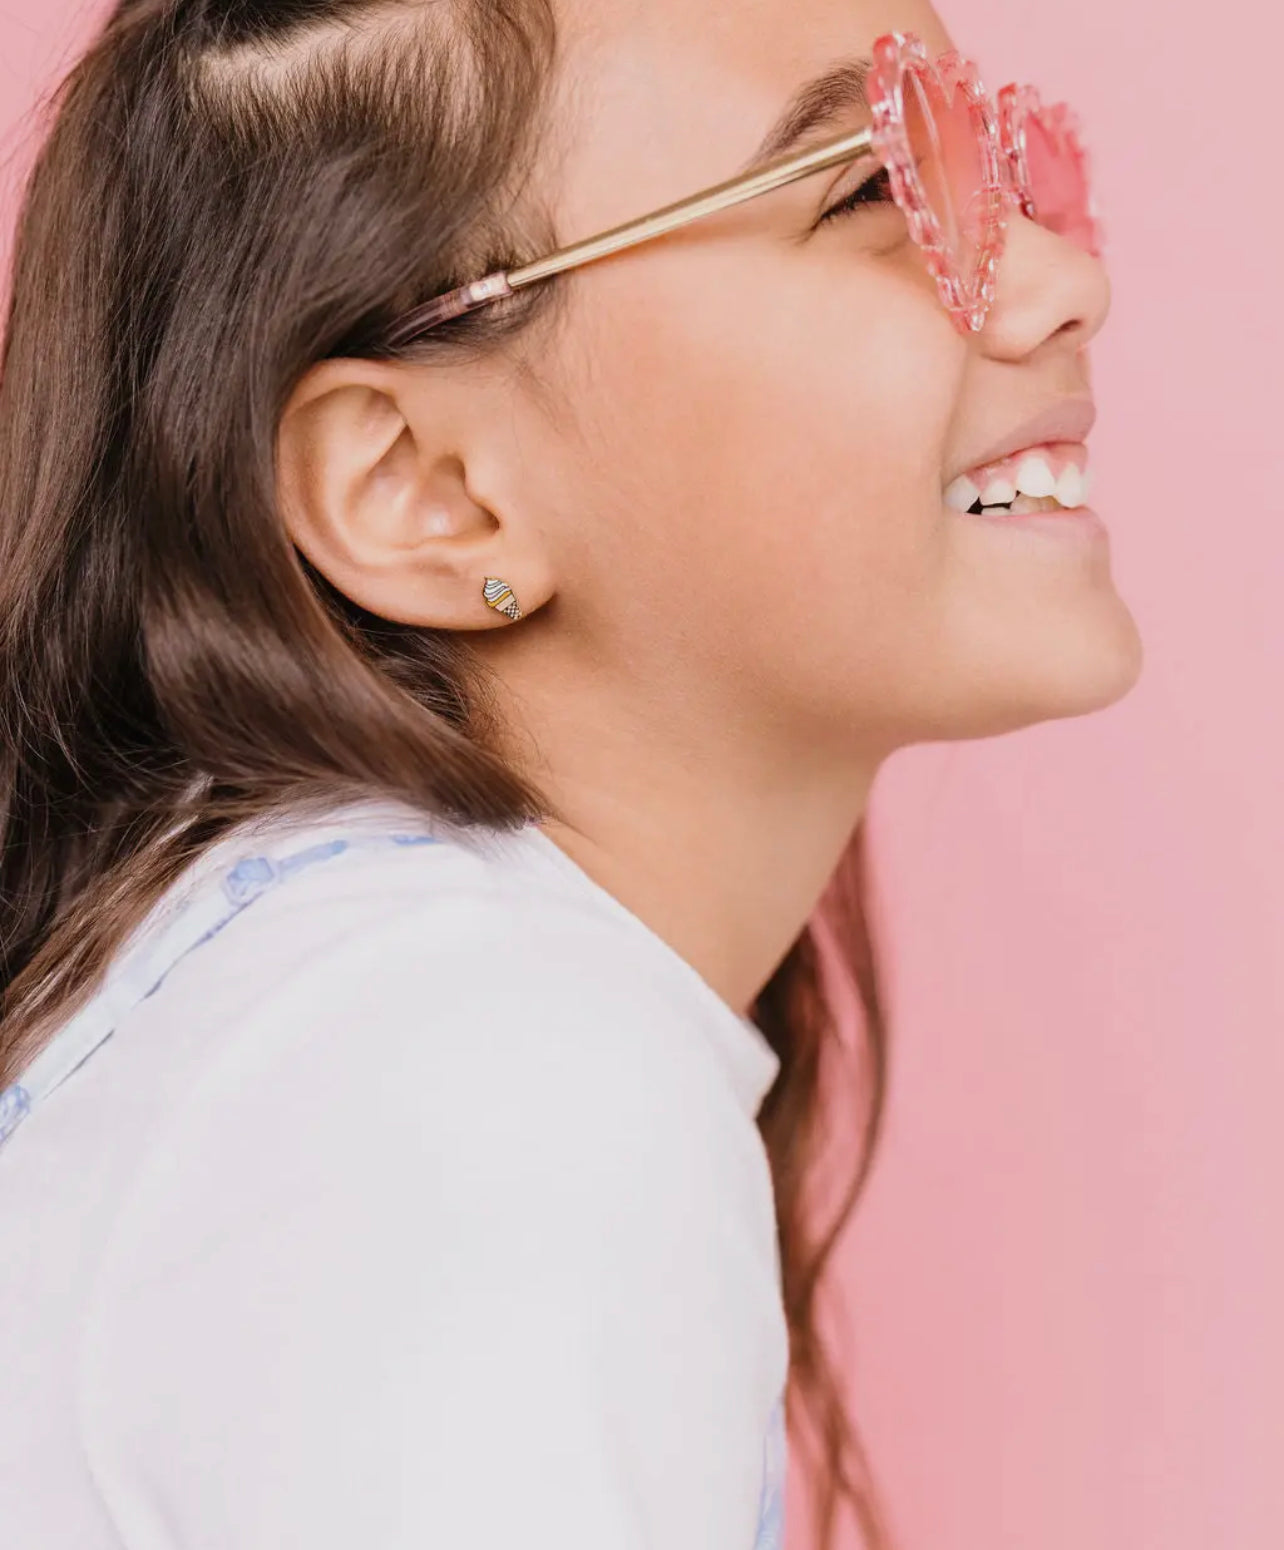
[499,596]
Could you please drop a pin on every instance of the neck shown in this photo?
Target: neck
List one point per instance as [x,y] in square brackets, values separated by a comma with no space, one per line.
[724,870]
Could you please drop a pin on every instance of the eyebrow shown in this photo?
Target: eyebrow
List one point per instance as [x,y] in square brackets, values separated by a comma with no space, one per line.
[816,104]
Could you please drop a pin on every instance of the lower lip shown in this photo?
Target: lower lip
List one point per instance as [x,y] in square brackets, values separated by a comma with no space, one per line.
[1075,523]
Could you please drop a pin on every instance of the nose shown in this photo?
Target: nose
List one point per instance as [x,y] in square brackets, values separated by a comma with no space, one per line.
[1050,294]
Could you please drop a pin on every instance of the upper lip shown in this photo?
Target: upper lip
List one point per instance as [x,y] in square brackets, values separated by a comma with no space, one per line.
[1070,420]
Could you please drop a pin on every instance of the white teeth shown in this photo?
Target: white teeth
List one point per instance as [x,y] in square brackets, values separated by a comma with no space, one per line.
[998,493]
[1034,487]
[1035,477]
[961,494]
[1069,490]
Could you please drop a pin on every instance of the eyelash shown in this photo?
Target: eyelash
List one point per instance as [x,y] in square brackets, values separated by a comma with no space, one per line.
[860,197]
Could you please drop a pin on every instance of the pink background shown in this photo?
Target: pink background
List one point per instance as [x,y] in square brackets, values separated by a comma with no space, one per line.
[1067,1281]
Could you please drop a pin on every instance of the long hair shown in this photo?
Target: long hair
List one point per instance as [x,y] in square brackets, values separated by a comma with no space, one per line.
[228,191]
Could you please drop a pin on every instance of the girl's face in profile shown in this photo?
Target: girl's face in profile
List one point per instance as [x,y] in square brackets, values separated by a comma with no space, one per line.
[741,472]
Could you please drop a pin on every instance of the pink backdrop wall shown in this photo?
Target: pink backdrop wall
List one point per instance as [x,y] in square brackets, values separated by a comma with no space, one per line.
[1068,1284]
[1067,1281]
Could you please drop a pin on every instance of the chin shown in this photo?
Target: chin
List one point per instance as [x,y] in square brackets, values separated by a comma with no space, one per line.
[1088,673]
[1020,683]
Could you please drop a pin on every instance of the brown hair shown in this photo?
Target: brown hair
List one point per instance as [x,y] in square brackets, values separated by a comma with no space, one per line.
[228,192]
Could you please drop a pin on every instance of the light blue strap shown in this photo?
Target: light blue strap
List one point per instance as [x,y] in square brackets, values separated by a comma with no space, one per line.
[142,970]
[771,1501]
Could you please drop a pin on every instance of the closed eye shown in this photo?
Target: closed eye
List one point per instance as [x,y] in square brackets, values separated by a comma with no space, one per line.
[875,190]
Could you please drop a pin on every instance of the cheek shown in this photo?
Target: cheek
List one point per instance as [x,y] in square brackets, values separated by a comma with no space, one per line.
[773,450]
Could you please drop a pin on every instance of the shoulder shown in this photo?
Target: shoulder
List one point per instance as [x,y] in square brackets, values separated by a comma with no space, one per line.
[445,1017]
[466,1176]
[398,959]
[417,947]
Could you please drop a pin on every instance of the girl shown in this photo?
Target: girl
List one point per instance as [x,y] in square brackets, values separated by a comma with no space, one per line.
[484,486]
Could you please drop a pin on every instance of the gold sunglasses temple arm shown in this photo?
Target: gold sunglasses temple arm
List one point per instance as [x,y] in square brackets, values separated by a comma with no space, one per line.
[452,304]
[733,192]
[747,186]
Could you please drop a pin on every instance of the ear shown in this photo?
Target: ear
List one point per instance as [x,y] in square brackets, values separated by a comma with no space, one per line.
[397,484]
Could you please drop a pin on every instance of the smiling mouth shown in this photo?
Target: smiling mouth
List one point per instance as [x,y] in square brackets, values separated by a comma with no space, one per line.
[1054,477]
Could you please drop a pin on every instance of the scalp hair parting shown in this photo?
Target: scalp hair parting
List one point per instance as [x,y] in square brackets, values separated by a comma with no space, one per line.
[226,192]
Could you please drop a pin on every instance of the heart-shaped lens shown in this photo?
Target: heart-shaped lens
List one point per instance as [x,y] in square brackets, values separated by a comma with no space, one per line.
[1049,166]
[939,136]
[1059,178]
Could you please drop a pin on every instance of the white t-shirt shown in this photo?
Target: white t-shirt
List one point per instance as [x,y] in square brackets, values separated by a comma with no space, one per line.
[420,1207]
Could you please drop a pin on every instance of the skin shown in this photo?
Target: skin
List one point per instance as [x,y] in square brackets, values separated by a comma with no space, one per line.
[717,492]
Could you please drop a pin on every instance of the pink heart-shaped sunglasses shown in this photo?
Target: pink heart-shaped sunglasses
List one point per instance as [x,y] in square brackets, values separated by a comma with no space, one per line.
[957,160]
